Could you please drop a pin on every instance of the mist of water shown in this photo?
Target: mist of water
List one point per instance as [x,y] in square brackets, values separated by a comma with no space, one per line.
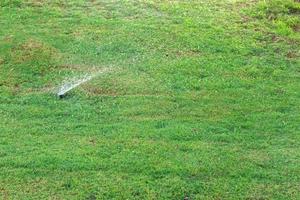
[75,82]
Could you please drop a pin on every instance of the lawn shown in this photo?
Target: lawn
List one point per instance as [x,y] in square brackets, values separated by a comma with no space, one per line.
[201,99]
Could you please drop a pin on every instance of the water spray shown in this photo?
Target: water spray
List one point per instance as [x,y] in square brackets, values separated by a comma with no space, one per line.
[73,83]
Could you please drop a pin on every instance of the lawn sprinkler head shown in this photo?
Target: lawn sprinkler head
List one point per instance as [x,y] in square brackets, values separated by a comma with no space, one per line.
[60,96]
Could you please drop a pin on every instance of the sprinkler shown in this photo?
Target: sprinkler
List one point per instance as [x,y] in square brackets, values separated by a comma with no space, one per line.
[67,86]
[73,83]
[60,96]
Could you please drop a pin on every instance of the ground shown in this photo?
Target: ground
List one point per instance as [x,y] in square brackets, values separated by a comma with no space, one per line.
[201,100]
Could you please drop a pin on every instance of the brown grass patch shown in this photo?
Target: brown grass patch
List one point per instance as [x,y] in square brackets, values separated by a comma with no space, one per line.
[4,193]
[292,55]
[97,90]
[81,68]
[34,51]
[245,4]
[36,3]
[296,28]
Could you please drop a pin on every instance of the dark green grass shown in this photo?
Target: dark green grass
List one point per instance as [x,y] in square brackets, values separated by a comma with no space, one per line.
[202,100]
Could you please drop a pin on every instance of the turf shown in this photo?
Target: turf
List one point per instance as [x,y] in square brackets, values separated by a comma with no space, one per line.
[201,101]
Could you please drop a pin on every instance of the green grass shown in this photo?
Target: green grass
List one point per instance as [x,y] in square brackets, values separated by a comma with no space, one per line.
[202,100]
[283,13]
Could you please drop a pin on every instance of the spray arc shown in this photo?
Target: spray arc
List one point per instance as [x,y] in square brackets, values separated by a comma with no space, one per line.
[73,83]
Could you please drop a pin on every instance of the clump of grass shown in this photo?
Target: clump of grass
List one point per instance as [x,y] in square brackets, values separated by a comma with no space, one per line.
[284,15]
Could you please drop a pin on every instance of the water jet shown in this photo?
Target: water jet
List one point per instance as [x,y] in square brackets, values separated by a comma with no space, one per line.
[75,82]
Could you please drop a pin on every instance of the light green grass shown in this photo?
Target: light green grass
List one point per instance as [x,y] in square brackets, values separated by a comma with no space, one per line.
[202,101]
